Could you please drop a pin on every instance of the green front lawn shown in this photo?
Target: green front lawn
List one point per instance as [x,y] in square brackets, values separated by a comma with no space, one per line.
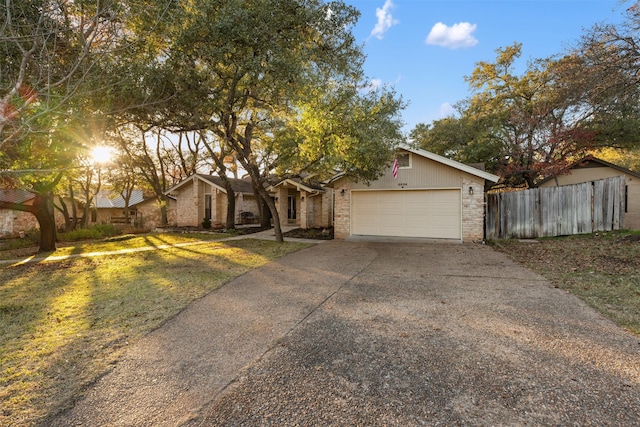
[64,323]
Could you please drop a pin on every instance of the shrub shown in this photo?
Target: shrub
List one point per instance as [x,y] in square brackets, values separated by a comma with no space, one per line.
[99,231]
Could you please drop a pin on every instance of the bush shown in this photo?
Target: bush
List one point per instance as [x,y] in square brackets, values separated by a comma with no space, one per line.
[99,231]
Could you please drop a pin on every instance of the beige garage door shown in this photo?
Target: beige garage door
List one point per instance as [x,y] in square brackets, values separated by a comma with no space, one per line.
[409,213]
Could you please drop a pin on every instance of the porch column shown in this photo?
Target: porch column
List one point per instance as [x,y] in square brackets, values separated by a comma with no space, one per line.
[304,211]
[327,208]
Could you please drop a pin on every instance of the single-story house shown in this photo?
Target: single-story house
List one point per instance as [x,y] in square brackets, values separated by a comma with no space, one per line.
[430,197]
[303,203]
[203,196]
[150,214]
[110,206]
[591,169]
[13,222]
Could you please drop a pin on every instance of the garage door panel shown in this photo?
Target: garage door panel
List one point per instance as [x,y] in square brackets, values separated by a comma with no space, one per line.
[424,213]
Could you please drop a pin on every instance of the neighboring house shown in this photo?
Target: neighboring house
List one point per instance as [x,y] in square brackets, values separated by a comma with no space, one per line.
[13,222]
[590,169]
[204,196]
[110,207]
[305,204]
[150,213]
[432,197]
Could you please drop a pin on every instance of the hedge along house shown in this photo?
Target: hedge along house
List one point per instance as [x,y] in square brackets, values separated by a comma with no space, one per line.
[204,196]
[431,197]
[592,169]
[303,203]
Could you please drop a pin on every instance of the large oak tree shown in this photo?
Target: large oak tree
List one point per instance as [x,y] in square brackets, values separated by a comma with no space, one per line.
[259,74]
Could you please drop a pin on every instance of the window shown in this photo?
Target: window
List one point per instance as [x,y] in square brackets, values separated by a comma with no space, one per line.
[626,198]
[404,160]
[207,206]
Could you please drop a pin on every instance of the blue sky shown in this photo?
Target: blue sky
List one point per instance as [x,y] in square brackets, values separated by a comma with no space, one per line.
[424,48]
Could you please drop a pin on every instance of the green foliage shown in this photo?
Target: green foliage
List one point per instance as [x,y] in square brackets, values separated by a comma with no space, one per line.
[460,139]
[344,129]
[523,127]
[98,231]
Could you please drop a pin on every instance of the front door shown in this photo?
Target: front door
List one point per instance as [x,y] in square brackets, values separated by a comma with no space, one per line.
[291,211]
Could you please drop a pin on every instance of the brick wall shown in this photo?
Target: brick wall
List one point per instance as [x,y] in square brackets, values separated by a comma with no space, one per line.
[472,210]
[327,208]
[342,211]
[187,209]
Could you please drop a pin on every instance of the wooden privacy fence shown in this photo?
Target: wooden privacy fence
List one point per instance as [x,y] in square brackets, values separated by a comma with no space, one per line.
[557,211]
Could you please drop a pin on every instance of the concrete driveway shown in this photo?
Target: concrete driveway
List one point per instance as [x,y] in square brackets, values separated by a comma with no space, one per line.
[365,333]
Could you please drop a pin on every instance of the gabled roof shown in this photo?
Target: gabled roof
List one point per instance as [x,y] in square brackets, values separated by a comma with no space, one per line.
[238,185]
[452,163]
[111,199]
[15,195]
[301,185]
[440,159]
[590,162]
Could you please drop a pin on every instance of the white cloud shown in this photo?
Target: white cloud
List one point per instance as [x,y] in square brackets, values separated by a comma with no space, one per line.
[459,35]
[385,20]
[375,84]
[446,110]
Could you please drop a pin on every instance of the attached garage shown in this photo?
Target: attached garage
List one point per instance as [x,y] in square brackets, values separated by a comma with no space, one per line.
[407,213]
[430,196]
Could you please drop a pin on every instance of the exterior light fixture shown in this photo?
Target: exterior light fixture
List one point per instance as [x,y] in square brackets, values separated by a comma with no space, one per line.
[471,191]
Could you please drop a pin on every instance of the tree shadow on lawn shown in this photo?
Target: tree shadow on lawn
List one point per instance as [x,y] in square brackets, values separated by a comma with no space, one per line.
[66,322]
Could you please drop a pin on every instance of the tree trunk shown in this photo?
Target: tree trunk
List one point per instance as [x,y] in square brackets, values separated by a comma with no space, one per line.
[65,214]
[274,213]
[265,214]
[43,210]
[164,220]
[231,209]
[258,188]
[231,201]
[74,209]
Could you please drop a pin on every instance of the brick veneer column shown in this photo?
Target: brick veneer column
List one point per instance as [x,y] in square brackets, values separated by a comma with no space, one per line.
[341,226]
[473,207]
[304,209]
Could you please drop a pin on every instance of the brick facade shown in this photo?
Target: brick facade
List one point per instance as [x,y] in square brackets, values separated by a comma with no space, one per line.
[426,172]
[473,207]
[342,210]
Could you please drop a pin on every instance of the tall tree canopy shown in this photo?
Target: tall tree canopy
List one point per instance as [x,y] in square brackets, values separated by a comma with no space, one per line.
[606,67]
[531,125]
[523,126]
[54,80]
[258,74]
[46,56]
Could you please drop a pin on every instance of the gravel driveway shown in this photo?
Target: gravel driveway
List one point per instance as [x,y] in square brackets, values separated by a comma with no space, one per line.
[377,334]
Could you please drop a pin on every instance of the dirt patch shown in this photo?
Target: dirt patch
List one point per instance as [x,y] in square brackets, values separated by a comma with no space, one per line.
[601,268]
[311,233]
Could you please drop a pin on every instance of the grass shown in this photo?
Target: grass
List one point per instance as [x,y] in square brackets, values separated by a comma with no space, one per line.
[128,241]
[64,323]
[603,269]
